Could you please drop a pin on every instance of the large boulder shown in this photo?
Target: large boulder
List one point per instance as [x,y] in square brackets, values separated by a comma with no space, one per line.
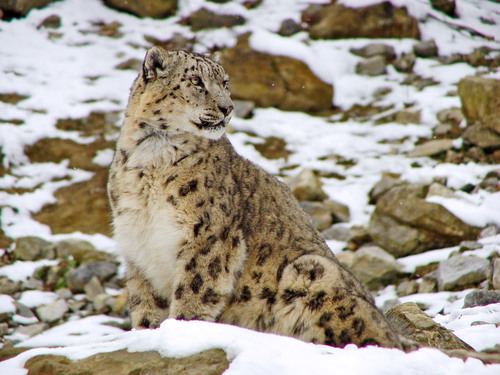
[480,99]
[151,8]
[21,8]
[404,223]
[274,81]
[209,362]
[205,19]
[381,20]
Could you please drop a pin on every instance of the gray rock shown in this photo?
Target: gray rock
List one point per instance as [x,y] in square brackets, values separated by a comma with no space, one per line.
[53,312]
[375,49]
[373,266]
[432,147]
[80,276]
[68,247]
[490,230]
[24,311]
[64,293]
[51,22]
[306,186]
[32,329]
[461,271]
[387,182]
[481,135]
[373,66]
[289,27]
[406,288]
[427,285]
[469,245]
[243,108]
[438,190]
[321,215]
[405,63]
[452,116]
[8,286]
[93,288]
[408,116]
[339,211]
[29,248]
[153,9]
[4,328]
[412,322]
[481,298]
[426,49]
[495,279]
[404,223]
[33,284]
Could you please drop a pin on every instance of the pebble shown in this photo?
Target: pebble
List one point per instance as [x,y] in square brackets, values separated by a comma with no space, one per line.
[372,66]
[93,288]
[426,49]
[32,330]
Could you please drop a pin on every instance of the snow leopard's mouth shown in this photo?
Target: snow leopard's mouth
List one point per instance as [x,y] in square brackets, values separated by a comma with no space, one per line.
[206,125]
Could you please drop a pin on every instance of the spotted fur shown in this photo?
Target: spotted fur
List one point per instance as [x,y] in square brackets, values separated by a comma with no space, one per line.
[209,235]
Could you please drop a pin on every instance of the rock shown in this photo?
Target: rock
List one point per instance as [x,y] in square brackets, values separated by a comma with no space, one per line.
[24,311]
[66,248]
[20,8]
[428,284]
[153,9]
[469,245]
[375,21]
[130,64]
[93,288]
[426,49]
[411,321]
[495,280]
[432,147]
[320,214]
[452,116]
[346,258]
[480,99]
[209,362]
[306,186]
[374,267]
[121,303]
[274,81]
[53,312]
[4,327]
[481,298]
[408,116]
[460,272]
[339,211]
[289,27]
[32,329]
[373,66]
[438,190]
[338,232]
[406,288]
[205,19]
[386,183]
[404,223]
[8,286]
[445,6]
[243,108]
[80,276]
[375,49]
[30,248]
[405,63]
[489,231]
[479,134]
[51,22]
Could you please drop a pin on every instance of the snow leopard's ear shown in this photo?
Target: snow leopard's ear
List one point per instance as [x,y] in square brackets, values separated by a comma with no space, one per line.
[214,56]
[154,62]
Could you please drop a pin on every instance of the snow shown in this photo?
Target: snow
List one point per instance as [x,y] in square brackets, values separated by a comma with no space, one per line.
[72,75]
[35,298]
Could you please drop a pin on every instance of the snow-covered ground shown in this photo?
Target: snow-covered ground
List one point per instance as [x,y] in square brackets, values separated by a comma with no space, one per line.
[58,75]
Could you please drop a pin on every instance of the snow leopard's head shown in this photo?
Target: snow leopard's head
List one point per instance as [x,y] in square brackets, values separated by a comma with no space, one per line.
[178,92]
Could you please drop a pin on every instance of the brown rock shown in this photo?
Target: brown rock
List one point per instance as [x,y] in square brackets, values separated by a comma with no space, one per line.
[445,6]
[306,186]
[274,81]
[375,21]
[151,8]
[404,223]
[409,320]
[430,148]
[122,362]
[205,19]
[481,104]
[80,207]
[22,7]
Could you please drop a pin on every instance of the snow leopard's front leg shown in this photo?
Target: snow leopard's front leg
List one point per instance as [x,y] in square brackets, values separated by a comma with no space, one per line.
[147,308]
[205,276]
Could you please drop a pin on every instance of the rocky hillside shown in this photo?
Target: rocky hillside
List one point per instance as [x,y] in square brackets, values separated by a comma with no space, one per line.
[381,116]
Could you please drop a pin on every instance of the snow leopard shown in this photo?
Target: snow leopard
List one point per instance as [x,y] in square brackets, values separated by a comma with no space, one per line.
[207,234]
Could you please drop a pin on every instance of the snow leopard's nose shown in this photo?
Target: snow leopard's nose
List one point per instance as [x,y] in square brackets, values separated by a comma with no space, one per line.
[226,110]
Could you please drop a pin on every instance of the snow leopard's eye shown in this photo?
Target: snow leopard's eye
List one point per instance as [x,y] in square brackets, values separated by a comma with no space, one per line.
[197,81]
